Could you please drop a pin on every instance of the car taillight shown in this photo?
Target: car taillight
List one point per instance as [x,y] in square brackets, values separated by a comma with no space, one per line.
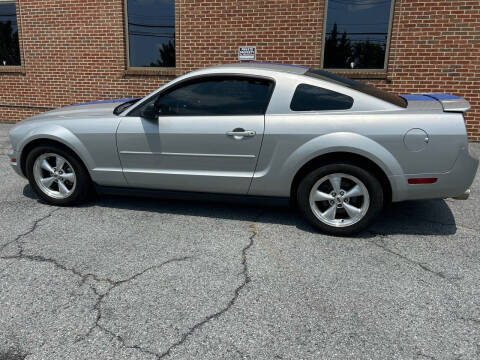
[416,181]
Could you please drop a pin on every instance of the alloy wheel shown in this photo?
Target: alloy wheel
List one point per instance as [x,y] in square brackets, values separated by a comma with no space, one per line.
[339,200]
[54,175]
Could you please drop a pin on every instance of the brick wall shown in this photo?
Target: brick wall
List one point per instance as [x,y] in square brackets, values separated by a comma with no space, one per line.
[74,50]
[435,47]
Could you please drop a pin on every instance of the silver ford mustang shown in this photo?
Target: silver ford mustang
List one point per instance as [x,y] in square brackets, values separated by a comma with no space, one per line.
[338,149]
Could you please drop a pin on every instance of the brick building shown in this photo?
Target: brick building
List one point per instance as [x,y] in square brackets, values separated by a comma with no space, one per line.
[58,52]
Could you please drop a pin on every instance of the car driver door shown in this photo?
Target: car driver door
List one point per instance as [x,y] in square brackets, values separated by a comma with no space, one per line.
[201,135]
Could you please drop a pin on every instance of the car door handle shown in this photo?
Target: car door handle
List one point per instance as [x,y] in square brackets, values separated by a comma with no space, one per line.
[241,133]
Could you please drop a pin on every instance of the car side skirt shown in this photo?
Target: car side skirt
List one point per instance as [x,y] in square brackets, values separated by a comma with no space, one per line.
[193,196]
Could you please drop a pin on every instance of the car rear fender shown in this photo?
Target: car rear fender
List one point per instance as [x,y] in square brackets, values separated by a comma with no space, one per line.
[346,142]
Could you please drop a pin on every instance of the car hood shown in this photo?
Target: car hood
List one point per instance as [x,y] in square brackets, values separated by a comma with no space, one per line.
[89,109]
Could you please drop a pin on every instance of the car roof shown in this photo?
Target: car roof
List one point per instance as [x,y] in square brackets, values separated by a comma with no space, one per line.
[286,68]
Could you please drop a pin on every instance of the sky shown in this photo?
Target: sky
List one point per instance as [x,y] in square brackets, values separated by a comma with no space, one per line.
[7,13]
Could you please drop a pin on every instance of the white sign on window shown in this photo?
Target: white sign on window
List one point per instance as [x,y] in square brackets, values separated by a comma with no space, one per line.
[247,53]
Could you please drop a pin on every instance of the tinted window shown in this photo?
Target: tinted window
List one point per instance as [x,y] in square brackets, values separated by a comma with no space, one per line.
[9,46]
[311,98]
[216,96]
[357,34]
[151,33]
[364,88]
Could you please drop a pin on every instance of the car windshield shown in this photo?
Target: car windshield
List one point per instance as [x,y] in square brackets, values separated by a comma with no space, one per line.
[124,106]
[356,85]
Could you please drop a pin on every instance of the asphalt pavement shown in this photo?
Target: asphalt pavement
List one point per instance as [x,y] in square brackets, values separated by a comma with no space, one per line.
[126,278]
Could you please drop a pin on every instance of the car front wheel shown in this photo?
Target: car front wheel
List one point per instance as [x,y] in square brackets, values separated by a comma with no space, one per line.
[57,176]
[340,199]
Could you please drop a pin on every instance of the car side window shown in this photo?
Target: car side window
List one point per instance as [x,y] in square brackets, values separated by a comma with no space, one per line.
[314,98]
[218,95]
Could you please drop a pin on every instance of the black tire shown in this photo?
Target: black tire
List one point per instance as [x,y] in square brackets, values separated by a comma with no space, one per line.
[375,192]
[83,184]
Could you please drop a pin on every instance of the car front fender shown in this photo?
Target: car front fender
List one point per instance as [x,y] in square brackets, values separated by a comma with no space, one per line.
[59,134]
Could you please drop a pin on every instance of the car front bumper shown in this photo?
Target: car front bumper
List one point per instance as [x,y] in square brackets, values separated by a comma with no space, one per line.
[14,162]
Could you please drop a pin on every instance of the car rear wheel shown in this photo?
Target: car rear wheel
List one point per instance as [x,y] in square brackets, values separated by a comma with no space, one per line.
[340,199]
[57,176]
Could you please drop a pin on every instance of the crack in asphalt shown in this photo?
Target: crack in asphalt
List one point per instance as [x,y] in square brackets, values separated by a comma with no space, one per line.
[39,258]
[115,284]
[464,318]
[29,231]
[238,289]
[123,342]
[186,335]
[407,259]
[427,269]
[83,276]
[58,265]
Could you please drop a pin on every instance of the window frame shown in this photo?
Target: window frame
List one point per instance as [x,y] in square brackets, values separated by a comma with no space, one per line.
[15,68]
[183,82]
[142,70]
[387,48]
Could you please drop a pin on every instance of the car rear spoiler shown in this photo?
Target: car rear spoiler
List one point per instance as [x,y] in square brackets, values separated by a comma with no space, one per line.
[450,103]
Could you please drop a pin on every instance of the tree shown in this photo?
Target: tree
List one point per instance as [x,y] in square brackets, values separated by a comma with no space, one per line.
[331,48]
[166,55]
[338,53]
[344,51]
[369,55]
[341,53]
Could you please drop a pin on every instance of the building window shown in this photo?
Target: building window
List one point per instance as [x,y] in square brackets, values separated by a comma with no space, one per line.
[357,34]
[151,33]
[9,45]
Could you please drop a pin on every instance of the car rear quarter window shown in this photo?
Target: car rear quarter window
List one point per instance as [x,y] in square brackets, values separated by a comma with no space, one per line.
[358,86]
[314,98]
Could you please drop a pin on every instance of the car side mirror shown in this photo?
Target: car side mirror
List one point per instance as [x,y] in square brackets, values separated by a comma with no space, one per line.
[163,109]
[150,112]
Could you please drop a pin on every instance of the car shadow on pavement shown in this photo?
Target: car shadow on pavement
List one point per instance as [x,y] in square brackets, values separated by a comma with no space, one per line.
[425,217]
